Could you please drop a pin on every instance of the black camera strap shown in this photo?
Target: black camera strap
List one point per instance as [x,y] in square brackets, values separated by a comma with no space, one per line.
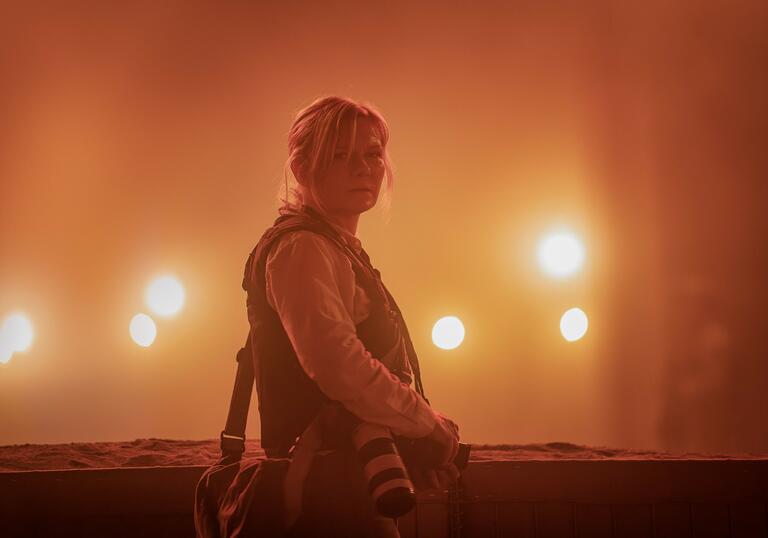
[233,436]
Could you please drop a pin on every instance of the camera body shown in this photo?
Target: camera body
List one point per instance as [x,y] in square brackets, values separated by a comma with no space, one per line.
[462,456]
[423,453]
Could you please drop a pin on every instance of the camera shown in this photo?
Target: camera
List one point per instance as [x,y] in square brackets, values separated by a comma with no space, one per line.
[382,459]
[390,486]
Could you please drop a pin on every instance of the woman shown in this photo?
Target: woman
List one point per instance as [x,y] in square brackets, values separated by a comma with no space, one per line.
[326,333]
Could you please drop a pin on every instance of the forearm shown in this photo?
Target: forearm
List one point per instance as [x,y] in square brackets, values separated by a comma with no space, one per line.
[371,392]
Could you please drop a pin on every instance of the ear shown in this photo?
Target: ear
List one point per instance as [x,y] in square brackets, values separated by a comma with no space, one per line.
[298,168]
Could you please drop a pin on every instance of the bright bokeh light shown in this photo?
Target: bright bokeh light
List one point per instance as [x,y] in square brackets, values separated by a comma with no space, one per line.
[6,348]
[143,330]
[560,254]
[18,331]
[574,324]
[165,296]
[448,332]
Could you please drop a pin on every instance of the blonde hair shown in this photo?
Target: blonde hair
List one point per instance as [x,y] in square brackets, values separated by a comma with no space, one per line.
[312,142]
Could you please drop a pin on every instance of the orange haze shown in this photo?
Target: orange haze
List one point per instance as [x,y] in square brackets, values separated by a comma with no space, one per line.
[144,138]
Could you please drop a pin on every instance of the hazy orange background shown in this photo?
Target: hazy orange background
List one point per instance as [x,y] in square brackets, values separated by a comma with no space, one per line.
[142,139]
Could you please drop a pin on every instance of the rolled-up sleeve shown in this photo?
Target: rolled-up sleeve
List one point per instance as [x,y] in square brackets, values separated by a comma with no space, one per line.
[310,284]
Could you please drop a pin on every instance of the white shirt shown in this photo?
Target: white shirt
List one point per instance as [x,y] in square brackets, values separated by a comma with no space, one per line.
[311,285]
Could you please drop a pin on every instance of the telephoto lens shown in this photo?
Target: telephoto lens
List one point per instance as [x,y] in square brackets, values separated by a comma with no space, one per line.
[388,481]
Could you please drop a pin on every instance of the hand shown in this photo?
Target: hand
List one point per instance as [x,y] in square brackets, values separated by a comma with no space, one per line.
[442,443]
[424,478]
[438,450]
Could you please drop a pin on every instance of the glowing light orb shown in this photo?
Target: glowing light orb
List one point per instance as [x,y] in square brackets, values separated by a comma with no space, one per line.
[165,296]
[6,348]
[18,331]
[560,254]
[448,332]
[574,324]
[143,330]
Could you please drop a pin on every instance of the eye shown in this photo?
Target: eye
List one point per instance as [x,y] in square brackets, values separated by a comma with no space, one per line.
[375,154]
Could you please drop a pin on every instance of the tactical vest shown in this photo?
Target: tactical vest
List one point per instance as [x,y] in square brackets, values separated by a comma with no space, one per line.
[288,399]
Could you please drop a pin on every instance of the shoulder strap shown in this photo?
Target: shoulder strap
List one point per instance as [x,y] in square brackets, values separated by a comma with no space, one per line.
[233,435]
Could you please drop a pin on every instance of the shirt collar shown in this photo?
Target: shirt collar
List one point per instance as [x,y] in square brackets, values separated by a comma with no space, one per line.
[349,239]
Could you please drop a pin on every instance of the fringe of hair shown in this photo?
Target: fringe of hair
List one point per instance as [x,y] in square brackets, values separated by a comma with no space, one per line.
[312,140]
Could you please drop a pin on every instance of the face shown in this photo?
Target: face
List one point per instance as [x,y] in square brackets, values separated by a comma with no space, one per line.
[352,182]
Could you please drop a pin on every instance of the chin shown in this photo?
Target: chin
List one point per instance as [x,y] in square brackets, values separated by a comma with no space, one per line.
[361,207]
[366,207]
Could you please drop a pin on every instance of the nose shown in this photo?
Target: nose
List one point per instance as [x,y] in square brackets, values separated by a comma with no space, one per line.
[358,165]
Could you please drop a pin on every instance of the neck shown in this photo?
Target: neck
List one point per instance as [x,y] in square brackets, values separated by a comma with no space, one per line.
[347,222]
[344,221]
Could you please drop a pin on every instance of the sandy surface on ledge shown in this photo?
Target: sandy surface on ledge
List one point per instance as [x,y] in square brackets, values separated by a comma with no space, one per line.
[170,452]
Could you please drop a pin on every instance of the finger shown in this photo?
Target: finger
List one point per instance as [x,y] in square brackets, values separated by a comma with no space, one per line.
[448,450]
[448,453]
[448,476]
[446,456]
[452,471]
[445,480]
[454,426]
[432,479]
[453,453]
[451,425]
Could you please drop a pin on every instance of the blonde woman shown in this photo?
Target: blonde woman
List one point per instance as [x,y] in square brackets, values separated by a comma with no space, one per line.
[326,332]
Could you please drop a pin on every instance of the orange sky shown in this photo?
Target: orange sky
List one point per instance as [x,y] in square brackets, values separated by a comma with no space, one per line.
[140,139]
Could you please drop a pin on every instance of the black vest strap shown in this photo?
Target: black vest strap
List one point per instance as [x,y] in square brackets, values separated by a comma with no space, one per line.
[413,359]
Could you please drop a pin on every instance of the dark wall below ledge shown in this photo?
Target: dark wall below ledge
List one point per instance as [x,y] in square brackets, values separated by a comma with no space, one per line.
[498,498]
